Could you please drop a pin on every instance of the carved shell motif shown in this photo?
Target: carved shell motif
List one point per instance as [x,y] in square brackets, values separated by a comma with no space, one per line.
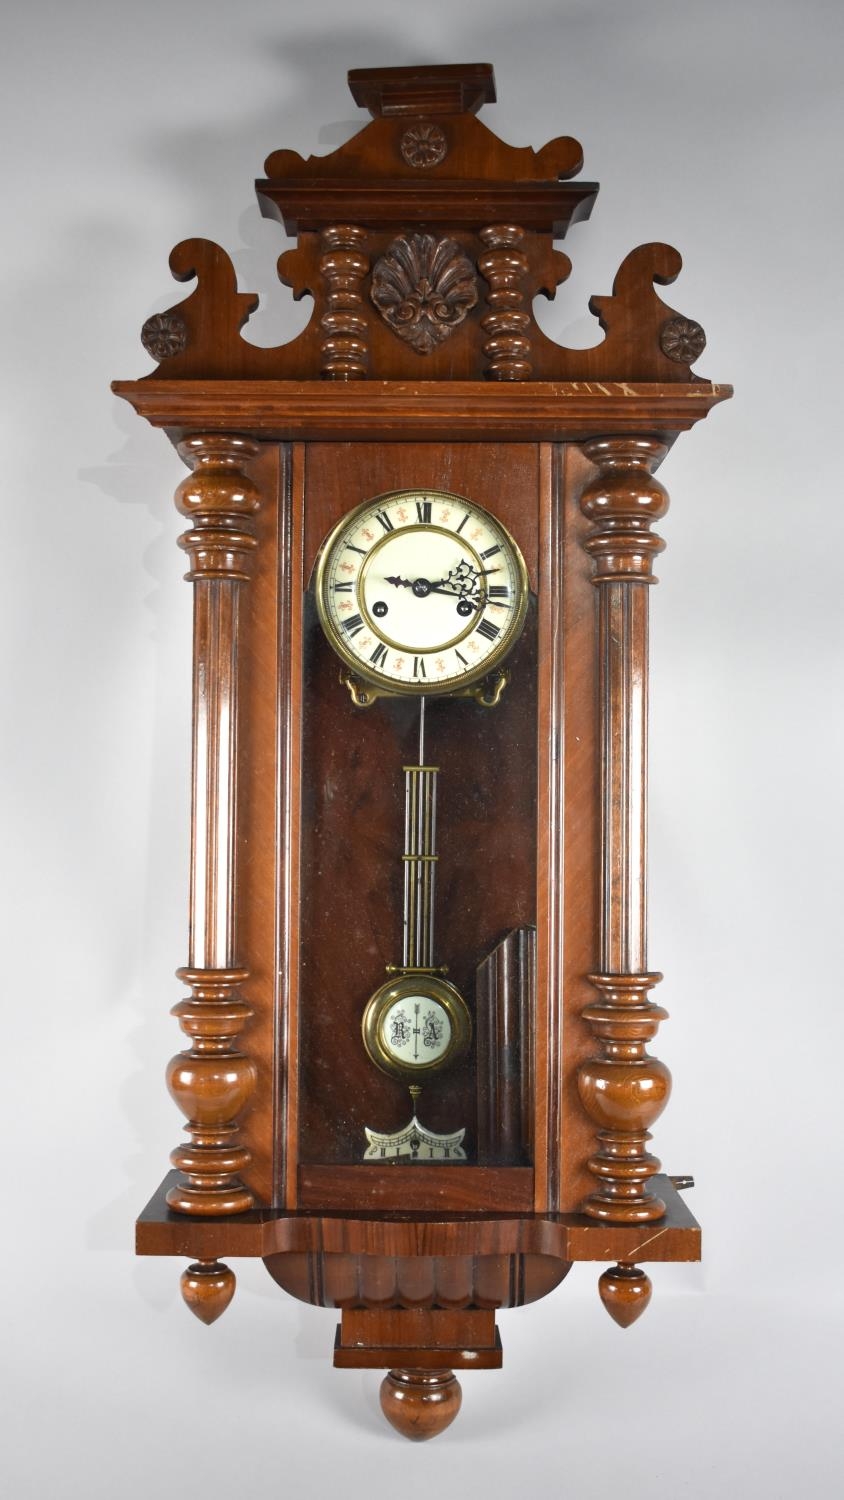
[424,287]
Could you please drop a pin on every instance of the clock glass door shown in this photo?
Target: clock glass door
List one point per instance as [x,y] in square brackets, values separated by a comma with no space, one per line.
[418,805]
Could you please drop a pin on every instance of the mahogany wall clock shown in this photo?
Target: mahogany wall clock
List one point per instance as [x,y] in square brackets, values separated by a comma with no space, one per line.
[420,542]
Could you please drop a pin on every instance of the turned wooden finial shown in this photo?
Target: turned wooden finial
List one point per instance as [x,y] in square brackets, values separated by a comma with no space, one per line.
[207,1288]
[420,1404]
[625,1292]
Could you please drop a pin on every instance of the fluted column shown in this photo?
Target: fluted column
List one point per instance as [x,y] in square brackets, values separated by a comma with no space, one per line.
[623,1089]
[212,1081]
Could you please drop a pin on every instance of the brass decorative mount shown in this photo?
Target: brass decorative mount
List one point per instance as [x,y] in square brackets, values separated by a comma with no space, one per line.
[487,692]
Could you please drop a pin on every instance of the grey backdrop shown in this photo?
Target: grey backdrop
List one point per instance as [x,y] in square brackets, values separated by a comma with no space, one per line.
[717,128]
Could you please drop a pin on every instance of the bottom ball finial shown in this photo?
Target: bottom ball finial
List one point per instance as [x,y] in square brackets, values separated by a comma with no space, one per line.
[207,1288]
[625,1292]
[420,1404]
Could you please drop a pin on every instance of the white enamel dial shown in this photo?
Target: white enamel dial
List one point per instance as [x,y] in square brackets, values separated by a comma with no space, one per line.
[421,592]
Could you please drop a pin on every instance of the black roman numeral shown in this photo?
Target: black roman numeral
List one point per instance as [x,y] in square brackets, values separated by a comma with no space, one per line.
[463,523]
[423,510]
[490,552]
[352,548]
[353,625]
[381,515]
[461,657]
[379,654]
[498,591]
[342,588]
[419,667]
[486,628]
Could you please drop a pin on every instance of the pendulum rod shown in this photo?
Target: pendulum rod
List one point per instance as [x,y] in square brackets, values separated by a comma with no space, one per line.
[420,857]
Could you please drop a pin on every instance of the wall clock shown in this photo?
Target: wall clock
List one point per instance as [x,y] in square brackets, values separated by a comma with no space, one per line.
[417,1081]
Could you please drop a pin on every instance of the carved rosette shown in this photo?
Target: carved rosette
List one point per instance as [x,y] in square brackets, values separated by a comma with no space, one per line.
[423,288]
[212,1081]
[623,1089]
[505,268]
[424,145]
[343,265]
[682,340]
[164,335]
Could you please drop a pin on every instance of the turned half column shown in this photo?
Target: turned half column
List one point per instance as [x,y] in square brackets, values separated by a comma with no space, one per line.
[344,264]
[623,1088]
[507,323]
[212,1081]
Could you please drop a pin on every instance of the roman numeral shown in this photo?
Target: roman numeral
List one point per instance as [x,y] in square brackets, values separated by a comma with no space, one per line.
[379,654]
[498,591]
[461,657]
[353,625]
[342,588]
[419,666]
[490,552]
[352,548]
[486,628]
[463,523]
[381,515]
[423,510]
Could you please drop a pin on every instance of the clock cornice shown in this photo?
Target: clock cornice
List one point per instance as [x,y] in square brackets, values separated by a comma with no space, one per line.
[464,411]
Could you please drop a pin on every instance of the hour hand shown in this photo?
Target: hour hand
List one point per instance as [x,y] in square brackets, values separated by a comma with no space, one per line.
[400,583]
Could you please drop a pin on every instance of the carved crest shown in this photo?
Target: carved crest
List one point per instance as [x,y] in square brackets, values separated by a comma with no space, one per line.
[423,288]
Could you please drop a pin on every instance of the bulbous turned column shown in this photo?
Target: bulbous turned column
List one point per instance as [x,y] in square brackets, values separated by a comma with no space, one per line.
[507,324]
[212,1081]
[343,264]
[623,1088]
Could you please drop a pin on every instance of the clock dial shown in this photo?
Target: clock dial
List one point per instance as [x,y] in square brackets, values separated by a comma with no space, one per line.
[421,592]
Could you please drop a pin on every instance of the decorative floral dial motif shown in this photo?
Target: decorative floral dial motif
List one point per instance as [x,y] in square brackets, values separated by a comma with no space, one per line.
[421,592]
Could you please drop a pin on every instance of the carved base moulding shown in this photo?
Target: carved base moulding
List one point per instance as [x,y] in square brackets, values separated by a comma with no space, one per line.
[420,547]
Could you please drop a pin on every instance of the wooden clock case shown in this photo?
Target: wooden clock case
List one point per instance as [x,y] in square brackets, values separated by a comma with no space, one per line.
[423,243]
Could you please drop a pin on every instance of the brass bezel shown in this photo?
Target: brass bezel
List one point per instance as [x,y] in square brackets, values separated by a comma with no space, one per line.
[386,686]
[416,983]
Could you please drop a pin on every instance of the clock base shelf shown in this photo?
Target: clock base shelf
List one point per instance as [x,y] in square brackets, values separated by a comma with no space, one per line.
[568,1237]
[414,1186]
